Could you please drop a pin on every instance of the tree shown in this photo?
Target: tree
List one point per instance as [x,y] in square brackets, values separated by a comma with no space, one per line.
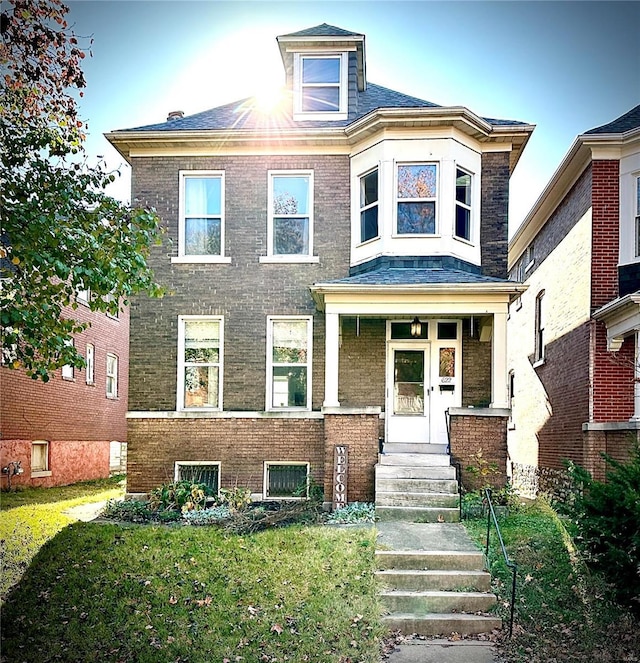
[60,231]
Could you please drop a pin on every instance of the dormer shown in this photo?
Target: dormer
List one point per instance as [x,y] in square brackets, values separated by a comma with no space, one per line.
[325,70]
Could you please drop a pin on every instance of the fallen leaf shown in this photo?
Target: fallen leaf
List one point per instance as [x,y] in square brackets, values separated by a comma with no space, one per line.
[276,628]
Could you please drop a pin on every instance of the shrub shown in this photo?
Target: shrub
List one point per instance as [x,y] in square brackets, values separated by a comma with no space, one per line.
[607,517]
[210,516]
[235,499]
[356,512]
[135,511]
[179,496]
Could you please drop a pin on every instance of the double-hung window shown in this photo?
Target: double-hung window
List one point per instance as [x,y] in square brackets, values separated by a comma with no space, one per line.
[417,186]
[290,229]
[90,364]
[321,85]
[199,362]
[369,206]
[112,376]
[539,328]
[67,369]
[463,205]
[289,342]
[201,232]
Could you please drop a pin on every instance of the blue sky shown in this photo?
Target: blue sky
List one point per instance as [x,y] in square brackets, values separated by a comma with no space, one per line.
[564,66]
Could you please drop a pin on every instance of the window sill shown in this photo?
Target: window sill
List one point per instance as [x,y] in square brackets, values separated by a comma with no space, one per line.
[529,266]
[288,259]
[42,473]
[462,240]
[66,379]
[110,397]
[213,260]
[416,235]
[538,362]
[368,241]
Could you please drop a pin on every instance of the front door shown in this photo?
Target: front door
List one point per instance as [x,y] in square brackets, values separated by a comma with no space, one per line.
[408,392]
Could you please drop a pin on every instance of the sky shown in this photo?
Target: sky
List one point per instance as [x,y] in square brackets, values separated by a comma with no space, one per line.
[565,67]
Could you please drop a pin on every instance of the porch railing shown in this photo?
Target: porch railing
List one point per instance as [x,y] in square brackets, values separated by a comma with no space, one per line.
[491,516]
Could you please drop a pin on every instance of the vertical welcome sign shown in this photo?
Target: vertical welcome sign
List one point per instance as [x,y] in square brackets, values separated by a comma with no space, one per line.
[340,464]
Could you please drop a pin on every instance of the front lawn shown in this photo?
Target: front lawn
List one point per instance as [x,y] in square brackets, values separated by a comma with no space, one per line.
[564,613]
[32,516]
[149,593]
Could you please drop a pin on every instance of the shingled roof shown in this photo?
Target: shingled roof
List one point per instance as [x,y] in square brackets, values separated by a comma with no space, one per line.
[627,122]
[323,30]
[416,276]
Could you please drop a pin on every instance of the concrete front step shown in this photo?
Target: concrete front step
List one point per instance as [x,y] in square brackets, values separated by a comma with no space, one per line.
[401,485]
[430,601]
[430,472]
[430,500]
[410,460]
[447,560]
[442,623]
[418,514]
[413,448]
[435,579]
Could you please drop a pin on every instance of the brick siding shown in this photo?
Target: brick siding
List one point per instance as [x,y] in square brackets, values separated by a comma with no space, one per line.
[476,367]
[494,212]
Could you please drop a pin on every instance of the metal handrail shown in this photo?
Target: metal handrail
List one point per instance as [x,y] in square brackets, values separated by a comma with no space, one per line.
[510,564]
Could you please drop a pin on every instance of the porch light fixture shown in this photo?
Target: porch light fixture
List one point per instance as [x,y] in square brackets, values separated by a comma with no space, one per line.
[416,327]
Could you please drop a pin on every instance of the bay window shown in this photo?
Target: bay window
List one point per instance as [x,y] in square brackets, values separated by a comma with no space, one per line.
[462,227]
[416,199]
[369,206]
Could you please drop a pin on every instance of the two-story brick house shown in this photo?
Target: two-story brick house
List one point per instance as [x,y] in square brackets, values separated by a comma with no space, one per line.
[337,268]
[573,335]
[72,428]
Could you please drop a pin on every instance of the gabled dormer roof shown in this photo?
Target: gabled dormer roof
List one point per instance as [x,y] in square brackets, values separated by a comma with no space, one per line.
[627,122]
[322,30]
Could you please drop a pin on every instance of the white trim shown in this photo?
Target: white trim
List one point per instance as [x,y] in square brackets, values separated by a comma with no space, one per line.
[113,393]
[269,363]
[180,406]
[90,368]
[228,414]
[364,208]
[183,176]
[214,260]
[41,472]
[268,463]
[470,207]
[289,257]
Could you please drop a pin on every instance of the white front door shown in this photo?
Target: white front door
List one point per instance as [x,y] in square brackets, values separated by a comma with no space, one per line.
[408,392]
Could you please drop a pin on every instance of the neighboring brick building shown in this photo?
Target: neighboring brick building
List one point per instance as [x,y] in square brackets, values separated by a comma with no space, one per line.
[573,336]
[73,427]
[302,243]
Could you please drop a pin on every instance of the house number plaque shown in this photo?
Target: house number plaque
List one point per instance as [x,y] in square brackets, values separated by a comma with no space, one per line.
[340,464]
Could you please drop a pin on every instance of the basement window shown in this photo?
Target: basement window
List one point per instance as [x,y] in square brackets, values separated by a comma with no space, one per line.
[283,480]
[40,458]
[202,471]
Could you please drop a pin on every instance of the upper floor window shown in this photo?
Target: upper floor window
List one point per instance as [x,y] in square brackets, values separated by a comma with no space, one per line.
[199,362]
[290,230]
[201,230]
[83,296]
[369,206]
[67,369]
[416,199]
[89,359]
[289,363]
[539,328]
[112,376]
[637,219]
[463,205]
[321,85]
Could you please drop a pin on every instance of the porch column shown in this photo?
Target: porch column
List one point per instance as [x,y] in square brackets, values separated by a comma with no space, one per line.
[499,396]
[331,352]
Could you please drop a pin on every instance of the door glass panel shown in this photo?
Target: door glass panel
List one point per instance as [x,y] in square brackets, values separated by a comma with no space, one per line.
[447,362]
[408,383]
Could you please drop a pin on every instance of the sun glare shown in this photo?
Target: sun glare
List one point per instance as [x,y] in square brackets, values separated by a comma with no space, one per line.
[269,99]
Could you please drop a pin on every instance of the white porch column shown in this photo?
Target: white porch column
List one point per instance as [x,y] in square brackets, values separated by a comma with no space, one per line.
[331,353]
[636,384]
[499,395]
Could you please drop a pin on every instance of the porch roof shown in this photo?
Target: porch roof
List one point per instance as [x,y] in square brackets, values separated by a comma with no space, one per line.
[391,283]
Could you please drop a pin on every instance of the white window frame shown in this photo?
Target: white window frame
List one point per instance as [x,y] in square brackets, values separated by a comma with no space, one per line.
[41,472]
[83,296]
[636,225]
[397,200]
[539,341]
[68,371]
[182,364]
[270,365]
[90,363]
[458,203]
[188,258]
[182,463]
[364,207]
[529,257]
[265,481]
[289,257]
[111,379]
[342,112]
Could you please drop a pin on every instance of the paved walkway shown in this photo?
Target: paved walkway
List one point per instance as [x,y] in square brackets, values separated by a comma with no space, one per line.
[433,536]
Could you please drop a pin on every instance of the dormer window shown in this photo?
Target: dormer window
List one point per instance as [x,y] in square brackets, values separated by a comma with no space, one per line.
[321,86]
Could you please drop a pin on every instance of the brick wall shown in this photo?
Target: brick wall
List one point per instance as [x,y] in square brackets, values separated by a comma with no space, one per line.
[473,434]
[476,367]
[494,210]
[359,432]
[241,445]
[70,461]
[245,291]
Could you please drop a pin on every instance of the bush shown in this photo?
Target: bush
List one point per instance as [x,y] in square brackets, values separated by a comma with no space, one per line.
[357,512]
[180,496]
[135,511]
[211,516]
[607,517]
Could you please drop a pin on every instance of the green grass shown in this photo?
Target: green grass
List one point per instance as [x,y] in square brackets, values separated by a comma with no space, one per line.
[107,592]
[563,612]
[32,516]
